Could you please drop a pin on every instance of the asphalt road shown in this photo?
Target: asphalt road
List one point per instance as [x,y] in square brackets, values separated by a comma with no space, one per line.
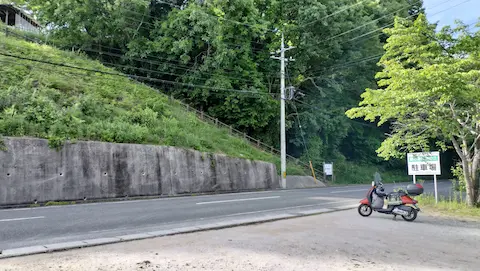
[331,241]
[57,224]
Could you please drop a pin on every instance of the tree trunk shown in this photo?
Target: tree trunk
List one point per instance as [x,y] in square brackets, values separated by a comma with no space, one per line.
[468,183]
[470,191]
[470,165]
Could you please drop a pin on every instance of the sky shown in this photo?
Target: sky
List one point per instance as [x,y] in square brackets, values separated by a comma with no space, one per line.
[445,12]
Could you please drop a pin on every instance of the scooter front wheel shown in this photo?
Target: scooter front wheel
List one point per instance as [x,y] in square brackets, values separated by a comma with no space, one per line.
[365,210]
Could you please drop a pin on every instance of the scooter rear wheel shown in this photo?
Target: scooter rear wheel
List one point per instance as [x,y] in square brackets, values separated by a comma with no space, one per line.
[365,210]
[411,216]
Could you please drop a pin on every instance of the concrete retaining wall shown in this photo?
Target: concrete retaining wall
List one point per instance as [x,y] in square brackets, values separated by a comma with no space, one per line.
[30,170]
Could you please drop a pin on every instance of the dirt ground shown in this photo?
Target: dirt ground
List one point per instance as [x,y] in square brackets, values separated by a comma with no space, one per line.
[335,241]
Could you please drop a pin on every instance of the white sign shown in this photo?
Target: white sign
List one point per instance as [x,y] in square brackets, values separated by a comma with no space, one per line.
[328,169]
[424,163]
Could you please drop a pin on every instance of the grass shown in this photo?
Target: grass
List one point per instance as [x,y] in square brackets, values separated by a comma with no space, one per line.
[453,206]
[60,104]
[351,173]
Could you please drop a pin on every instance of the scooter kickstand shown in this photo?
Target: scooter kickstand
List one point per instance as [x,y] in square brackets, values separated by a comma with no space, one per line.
[394,217]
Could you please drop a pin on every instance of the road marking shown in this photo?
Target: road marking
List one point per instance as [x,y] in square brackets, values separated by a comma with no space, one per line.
[235,200]
[348,191]
[289,208]
[21,218]
[134,201]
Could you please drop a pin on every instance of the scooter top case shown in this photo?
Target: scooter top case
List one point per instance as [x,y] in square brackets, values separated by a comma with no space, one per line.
[415,189]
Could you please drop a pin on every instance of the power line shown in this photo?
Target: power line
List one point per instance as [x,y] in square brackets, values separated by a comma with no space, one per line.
[185,68]
[175,66]
[334,13]
[370,22]
[331,68]
[410,16]
[110,78]
[298,121]
[373,57]
[301,132]
[133,76]
[348,64]
[175,6]
[332,114]
[202,40]
[233,45]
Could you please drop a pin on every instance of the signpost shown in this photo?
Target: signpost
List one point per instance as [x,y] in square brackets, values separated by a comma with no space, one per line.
[425,164]
[328,170]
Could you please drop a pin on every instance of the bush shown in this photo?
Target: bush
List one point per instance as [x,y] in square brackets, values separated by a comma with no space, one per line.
[459,184]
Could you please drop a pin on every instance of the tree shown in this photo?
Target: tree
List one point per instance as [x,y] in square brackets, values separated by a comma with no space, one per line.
[429,89]
[98,24]
[334,56]
[218,44]
[200,48]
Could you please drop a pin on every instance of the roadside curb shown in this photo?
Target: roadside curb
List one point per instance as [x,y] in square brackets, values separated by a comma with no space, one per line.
[25,251]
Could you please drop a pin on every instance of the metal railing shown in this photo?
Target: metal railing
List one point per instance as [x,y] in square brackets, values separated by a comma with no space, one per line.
[235,132]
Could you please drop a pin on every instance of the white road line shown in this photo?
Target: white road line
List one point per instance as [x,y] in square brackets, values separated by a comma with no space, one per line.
[21,218]
[348,191]
[290,208]
[235,200]
[134,201]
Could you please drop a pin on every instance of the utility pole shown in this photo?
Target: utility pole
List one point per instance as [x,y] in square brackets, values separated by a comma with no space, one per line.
[283,147]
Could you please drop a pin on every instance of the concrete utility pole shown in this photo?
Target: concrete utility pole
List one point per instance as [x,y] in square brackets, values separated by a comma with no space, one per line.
[283,147]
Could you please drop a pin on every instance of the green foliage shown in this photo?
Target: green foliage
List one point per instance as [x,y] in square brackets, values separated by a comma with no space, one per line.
[353,173]
[429,92]
[459,184]
[211,56]
[220,44]
[62,104]
[3,147]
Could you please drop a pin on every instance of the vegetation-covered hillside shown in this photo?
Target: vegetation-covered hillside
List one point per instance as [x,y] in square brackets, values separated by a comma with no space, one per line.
[61,103]
[40,99]
[209,53]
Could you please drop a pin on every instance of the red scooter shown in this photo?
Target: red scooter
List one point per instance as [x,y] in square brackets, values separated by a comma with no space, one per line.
[399,203]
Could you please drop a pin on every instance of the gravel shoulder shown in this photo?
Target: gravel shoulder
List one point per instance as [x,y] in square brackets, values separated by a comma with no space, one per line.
[334,241]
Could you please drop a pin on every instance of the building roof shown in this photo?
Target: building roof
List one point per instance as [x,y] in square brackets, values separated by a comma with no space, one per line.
[21,11]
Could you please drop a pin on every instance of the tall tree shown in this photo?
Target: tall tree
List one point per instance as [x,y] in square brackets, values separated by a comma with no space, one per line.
[93,23]
[338,43]
[429,91]
[220,45]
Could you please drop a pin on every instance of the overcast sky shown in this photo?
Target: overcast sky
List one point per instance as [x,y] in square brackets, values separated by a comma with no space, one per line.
[445,12]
